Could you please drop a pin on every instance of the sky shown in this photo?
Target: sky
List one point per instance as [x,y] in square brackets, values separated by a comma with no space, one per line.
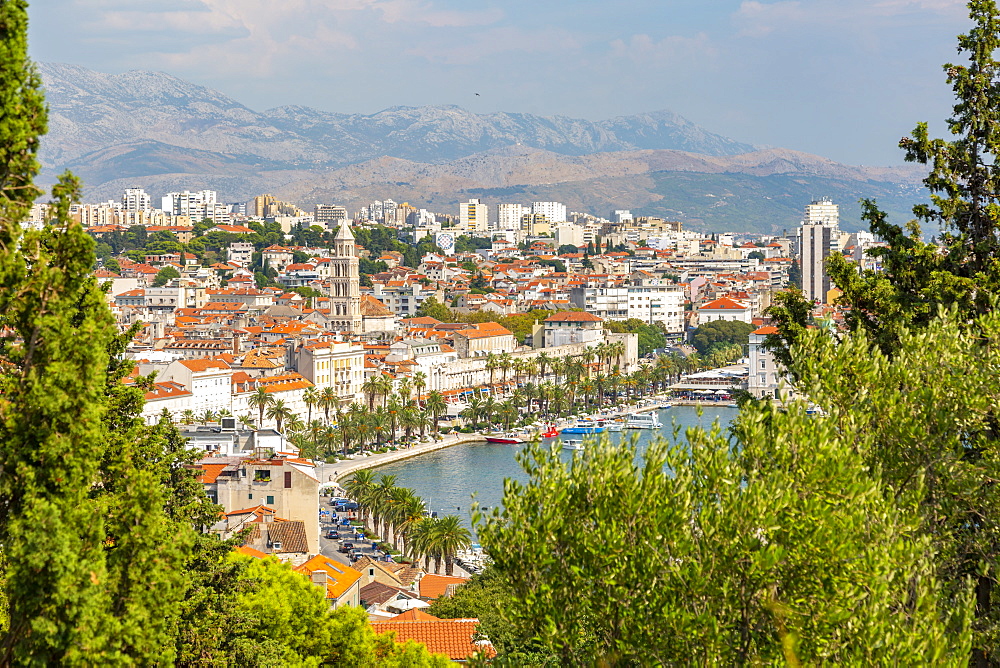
[844,79]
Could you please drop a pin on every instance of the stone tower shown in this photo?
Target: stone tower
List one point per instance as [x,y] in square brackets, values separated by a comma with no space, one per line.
[345,283]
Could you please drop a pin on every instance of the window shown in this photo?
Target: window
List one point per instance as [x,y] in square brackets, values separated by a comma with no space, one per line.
[250,497]
[288,479]
[270,500]
[763,364]
[261,475]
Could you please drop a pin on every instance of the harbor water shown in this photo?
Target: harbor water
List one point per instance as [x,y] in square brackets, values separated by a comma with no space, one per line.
[447,479]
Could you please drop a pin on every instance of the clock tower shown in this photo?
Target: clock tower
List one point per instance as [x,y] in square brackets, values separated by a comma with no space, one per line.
[345,283]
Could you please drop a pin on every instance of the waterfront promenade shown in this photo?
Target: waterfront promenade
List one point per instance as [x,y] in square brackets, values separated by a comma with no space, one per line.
[339,470]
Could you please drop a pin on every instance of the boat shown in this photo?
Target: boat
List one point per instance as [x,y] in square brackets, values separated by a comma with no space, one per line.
[507,439]
[643,421]
[550,431]
[572,444]
[616,426]
[666,404]
[583,427]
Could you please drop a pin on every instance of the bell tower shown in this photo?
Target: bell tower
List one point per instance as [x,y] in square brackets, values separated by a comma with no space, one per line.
[345,282]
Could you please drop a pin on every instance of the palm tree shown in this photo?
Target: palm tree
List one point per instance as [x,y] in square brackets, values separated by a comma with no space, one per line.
[260,400]
[328,400]
[208,415]
[405,390]
[385,388]
[380,495]
[544,362]
[410,421]
[359,489]
[509,411]
[370,388]
[311,398]
[187,417]
[421,536]
[419,383]
[505,364]
[411,513]
[246,420]
[492,364]
[279,412]
[449,537]
[436,406]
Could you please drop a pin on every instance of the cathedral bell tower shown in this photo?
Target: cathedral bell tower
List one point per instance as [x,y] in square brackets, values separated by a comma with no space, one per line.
[345,283]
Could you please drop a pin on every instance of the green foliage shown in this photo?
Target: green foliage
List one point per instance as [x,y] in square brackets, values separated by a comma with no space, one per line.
[288,622]
[567,248]
[651,336]
[111,264]
[432,308]
[720,331]
[780,548]
[366,266]
[755,255]
[164,276]
[466,244]
[558,265]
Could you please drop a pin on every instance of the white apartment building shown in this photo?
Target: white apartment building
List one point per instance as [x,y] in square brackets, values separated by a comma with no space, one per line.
[183,203]
[135,199]
[474,217]
[208,380]
[555,212]
[822,212]
[335,364]
[240,252]
[655,300]
[763,378]
[606,303]
[509,216]
[569,233]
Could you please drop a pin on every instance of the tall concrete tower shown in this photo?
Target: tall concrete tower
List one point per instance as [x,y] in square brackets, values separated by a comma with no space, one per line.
[345,282]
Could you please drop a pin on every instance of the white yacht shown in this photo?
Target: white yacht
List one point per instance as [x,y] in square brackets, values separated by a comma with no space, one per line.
[643,421]
[572,444]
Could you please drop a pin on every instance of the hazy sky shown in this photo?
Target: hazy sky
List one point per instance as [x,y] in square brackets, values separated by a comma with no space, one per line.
[841,78]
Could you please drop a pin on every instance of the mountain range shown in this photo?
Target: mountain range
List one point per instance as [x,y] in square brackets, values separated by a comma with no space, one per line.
[160,132]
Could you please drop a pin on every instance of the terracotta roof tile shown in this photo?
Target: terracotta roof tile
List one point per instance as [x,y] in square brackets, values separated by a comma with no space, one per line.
[451,637]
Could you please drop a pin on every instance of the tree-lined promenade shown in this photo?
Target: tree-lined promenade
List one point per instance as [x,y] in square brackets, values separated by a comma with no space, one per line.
[521,391]
[390,510]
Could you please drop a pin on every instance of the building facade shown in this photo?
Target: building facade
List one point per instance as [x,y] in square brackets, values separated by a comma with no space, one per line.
[345,283]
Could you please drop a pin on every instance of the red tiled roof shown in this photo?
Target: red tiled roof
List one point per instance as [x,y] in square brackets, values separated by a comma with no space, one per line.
[434,586]
[573,316]
[451,637]
[723,304]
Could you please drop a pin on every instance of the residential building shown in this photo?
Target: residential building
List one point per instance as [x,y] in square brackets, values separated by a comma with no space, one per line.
[655,300]
[474,217]
[763,375]
[554,212]
[335,364]
[568,327]
[608,303]
[724,308]
[814,249]
[509,216]
[135,199]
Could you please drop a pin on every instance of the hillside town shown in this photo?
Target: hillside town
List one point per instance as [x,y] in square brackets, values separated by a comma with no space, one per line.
[253,319]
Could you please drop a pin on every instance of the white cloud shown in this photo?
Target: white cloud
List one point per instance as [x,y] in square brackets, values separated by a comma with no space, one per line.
[760,19]
[672,50]
[484,44]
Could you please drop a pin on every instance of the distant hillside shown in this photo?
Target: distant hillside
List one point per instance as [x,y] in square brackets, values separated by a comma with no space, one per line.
[163,133]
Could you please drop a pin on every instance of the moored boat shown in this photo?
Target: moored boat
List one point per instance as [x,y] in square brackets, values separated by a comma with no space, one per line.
[616,426]
[508,439]
[572,444]
[584,427]
[643,421]
[550,431]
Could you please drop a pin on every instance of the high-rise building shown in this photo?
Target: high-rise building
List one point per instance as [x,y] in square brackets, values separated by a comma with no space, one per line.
[330,215]
[135,199]
[822,212]
[474,217]
[814,248]
[509,216]
[554,212]
[195,205]
[345,282]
